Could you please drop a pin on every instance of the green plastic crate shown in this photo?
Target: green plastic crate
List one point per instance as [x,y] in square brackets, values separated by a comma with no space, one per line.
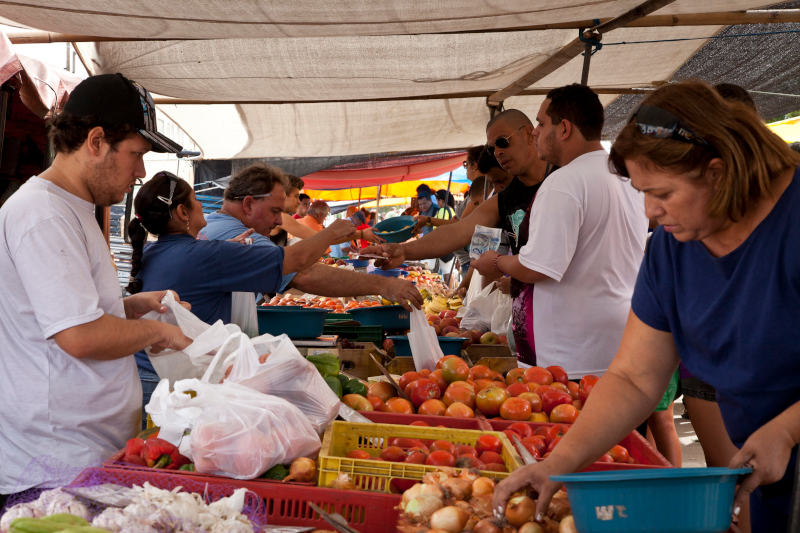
[372,334]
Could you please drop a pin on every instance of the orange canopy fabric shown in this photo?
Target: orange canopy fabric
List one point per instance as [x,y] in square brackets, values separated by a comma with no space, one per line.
[404,189]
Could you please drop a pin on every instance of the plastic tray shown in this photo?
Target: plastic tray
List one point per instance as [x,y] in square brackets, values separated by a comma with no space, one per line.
[297,323]
[395,229]
[639,448]
[647,500]
[449,345]
[357,333]
[373,475]
[388,316]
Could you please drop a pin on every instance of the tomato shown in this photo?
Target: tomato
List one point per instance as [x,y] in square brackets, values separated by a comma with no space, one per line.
[407,378]
[481,384]
[515,389]
[488,443]
[535,443]
[495,467]
[537,374]
[558,373]
[564,413]
[422,389]
[560,386]
[553,397]
[620,454]
[425,372]
[469,461]
[516,409]
[377,403]
[491,457]
[465,449]
[441,361]
[399,405]
[515,375]
[480,372]
[586,385]
[432,407]
[605,458]
[522,429]
[445,445]
[553,444]
[405,442]
[419,423]
[440,458]
[436,376]
[574,390]
[455,369]
[459,393]
[459,410]
[416,456]
[490,399]
[358,454]
[394,454]
[534,399]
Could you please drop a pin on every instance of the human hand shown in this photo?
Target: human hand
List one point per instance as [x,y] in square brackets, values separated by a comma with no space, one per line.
[421,222]
[392,252]
[486,263]
[401,291]
[535,476]
[139,304]
[339,231]
[767,452]
[172,339]
[369,235]
[503,285]
[242,237]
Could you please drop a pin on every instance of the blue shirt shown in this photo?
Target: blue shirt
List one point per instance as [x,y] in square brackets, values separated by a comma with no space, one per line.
[222,227]
[204,273]
[430,213]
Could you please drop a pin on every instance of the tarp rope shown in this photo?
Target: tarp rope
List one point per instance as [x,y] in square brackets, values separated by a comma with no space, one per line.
[753,34]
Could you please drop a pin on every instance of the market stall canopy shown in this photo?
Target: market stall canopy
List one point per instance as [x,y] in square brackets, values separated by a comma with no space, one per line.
[302,79]
[788,130]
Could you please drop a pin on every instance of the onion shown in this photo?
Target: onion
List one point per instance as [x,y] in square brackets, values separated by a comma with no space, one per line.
[343,482]
[520,509]
[470,474]
[411,493]
[567,525]
[450,519]
[435,477]
[482,505]
[459,488]
[530,527]
[422,507]
[302,469]
[482,485]
[486,525]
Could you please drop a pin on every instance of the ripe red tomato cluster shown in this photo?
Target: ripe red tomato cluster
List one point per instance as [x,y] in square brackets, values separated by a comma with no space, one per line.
[542,440]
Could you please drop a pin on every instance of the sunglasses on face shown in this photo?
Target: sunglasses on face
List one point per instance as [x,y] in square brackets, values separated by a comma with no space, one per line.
[659,123]
[502,142]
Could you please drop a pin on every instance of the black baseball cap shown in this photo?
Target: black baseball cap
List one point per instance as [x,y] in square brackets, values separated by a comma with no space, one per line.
[423,191]
[117,100]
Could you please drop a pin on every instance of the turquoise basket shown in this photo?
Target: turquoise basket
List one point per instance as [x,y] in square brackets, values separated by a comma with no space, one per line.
[388,316]
[667,500]
[395,229]
[296,322]
[449,345]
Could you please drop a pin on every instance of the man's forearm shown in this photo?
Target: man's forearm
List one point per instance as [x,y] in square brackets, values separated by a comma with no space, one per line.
[295,228]
[304,254]
[330,281]
[109,337]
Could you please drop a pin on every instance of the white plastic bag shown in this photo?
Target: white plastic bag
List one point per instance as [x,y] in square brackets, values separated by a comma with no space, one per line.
[478,315]
[284,373]
[235,431]
[424,345]
[192,361]
[501,317]
[244,313]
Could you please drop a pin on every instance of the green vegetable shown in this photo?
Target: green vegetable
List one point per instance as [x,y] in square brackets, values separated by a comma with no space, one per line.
[276,472]
[189,467]
[326,363]
[343,380]
[335,385]
[84,529]
[354,386]
[65,518]
[36,525]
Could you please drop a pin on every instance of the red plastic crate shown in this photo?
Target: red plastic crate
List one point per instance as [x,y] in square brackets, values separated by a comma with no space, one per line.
[268,503]
[640,449]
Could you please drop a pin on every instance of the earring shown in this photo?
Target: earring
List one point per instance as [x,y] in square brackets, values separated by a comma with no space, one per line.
[187,224]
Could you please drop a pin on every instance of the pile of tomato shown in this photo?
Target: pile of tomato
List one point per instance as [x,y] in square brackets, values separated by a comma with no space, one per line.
[334,305]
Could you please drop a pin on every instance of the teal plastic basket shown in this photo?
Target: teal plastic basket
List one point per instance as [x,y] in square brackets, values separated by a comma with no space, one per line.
[395,229]
[296,322]
[666,500]
[449,345]
[387,316]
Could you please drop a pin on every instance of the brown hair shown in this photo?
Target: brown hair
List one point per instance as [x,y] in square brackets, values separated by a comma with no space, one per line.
[579,105]
[68,132]
[294,183]
[255,179]
[751,154]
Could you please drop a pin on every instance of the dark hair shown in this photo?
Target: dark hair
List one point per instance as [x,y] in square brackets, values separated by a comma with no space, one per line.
[304,196]
[737,93]
[153,215]
[487,162]
[579,105]
[258,178]
[474,154]
[445,197]
[67,132]
[477,187]
[294,183]
[423,189]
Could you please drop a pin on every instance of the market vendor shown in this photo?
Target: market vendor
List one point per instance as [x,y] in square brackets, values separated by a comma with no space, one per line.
[510,139]
[717,290]
[69,391]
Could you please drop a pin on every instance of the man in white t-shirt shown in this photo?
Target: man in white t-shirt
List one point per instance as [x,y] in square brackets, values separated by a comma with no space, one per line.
[585,242]
[69,390]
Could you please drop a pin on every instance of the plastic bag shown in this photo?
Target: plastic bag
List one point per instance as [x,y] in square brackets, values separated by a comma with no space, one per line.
[479,312]
[424,345]
[192,361]
[244,313]
[283,373]
[501,317]
[235,431]
[484,239]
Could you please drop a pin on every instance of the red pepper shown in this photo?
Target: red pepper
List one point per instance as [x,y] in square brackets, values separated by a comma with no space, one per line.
[157,452]
[133,451]
[177,460]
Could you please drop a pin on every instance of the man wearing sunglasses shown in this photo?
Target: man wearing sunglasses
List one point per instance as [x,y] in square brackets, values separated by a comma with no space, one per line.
[585,242]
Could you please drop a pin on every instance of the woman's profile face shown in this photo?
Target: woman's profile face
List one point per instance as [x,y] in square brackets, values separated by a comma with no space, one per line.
[196,219]
[677,202]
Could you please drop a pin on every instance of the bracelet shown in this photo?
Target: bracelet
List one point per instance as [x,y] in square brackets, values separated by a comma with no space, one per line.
[496,266]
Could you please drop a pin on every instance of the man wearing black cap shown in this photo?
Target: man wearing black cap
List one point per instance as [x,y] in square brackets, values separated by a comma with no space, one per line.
[69,389]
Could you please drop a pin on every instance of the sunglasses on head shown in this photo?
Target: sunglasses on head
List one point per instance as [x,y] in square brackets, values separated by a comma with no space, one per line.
[264,195]
[502,142]
[662,124]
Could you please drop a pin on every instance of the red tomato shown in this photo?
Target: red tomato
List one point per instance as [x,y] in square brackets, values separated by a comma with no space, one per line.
[522,429]
[491,457]
[515,375]
[468,461]
[553,397]
[586,385]
[422,389]
[405,442]
[416,456]
[447,446]
[432,407]
[553,444]
[537,374]
[419,423]
[516,409]
[399,405]
[358,454]
[407,378]
[394,454]
[488,443]
[495,467]
[559,374]
[440,458]
[515,389]
[490,399]
[535,443]
[465,449]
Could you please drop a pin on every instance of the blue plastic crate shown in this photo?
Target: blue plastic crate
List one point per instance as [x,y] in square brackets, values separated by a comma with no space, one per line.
[668,500]
[395,229]
[388,316]
[296,322]
[449,345]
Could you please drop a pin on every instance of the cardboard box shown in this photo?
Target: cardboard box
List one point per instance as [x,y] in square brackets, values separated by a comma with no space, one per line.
[476,351]
[356,361]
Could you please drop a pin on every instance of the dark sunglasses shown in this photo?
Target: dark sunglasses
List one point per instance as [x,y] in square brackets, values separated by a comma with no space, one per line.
[659,123]
[502,142]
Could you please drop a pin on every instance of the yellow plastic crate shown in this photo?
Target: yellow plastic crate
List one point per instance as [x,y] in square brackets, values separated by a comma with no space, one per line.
[376,475]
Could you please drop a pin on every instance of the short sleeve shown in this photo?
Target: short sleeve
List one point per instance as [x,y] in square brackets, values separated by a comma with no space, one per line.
[555,223]
[645,301]
[250,268]
[64,296]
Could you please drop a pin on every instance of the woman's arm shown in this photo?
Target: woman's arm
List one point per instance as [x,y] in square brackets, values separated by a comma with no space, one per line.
[621,400]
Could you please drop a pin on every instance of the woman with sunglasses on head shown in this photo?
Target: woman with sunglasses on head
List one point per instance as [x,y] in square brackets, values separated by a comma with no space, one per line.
[718,290]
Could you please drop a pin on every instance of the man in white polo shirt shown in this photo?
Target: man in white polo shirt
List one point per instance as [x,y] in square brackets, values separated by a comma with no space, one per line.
[585,243]
[69,390]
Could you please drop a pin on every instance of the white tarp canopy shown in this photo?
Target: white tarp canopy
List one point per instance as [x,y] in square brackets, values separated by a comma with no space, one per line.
[305,78]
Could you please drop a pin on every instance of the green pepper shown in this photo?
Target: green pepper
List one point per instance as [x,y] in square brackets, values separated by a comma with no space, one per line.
[277,472]
[354,386]
[335,385]
[343,380]
[326,363]
[188,467]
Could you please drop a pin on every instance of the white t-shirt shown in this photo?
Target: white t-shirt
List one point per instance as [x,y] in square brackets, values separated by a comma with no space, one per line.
[58,413]
[587,234]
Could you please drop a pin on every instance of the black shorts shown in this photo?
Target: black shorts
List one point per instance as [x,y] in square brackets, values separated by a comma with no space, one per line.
[694,388]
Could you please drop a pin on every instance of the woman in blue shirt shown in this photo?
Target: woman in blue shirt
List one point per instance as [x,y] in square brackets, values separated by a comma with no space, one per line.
[718,290]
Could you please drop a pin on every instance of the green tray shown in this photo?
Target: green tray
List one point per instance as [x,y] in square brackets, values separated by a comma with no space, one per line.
[372,334]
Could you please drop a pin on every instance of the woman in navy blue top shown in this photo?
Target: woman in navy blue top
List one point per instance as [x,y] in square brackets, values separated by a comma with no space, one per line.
[718,290]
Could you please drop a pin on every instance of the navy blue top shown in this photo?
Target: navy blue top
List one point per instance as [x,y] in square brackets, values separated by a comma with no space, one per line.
[735,319]
[204,273]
